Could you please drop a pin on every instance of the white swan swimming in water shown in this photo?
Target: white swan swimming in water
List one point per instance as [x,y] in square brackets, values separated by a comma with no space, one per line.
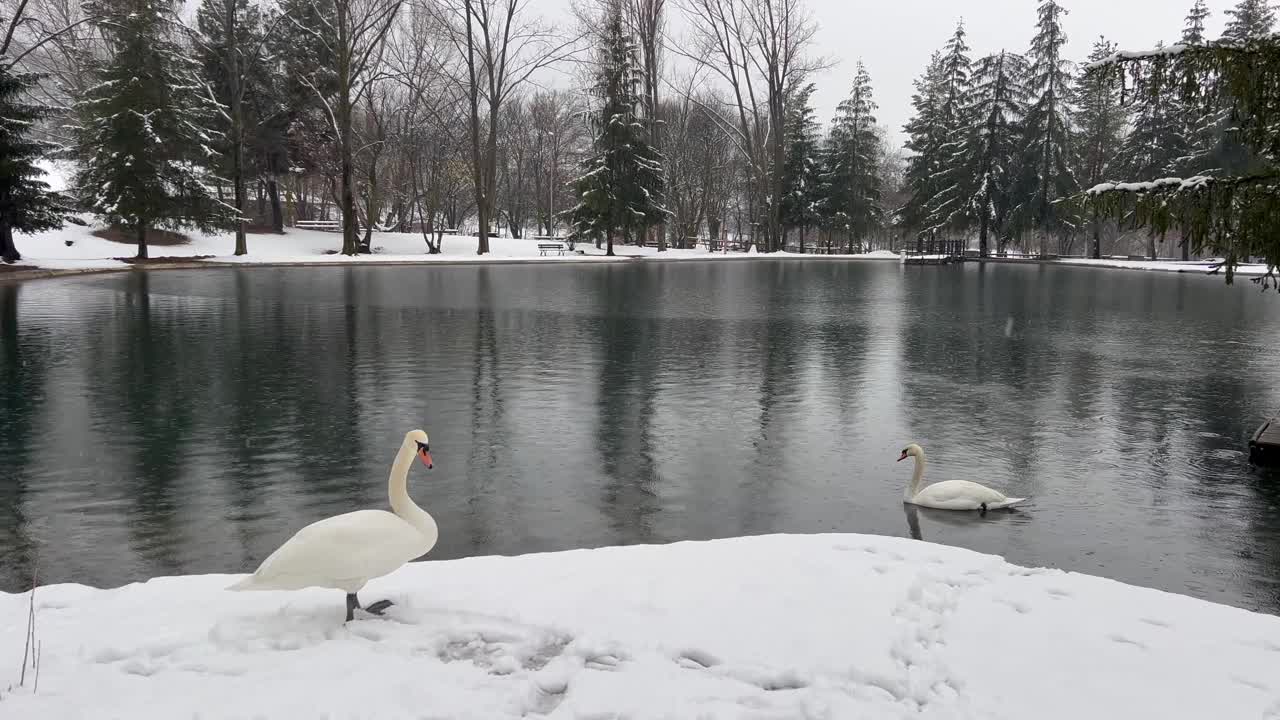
[346,551]
[951,494]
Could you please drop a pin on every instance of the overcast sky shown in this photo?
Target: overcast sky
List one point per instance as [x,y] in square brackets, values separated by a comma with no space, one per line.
[895,37]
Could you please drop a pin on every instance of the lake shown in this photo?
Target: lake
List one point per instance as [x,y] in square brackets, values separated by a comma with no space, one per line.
[190,421]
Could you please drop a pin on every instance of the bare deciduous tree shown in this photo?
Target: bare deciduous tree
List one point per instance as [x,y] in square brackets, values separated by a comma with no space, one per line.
[356,41]
[647,21]
[559,136]
[501,48]
[757,49]
[698,155]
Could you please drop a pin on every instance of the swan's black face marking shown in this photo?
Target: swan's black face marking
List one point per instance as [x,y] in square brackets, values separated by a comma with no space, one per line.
[424,453]
[903,456]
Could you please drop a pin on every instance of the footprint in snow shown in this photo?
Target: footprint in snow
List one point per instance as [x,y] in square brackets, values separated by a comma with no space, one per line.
[1021,608]
[1255,684]
[1154,622]
[694,659]
[1121,639]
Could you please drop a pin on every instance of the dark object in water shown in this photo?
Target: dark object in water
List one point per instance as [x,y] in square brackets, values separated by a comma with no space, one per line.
[1264,446]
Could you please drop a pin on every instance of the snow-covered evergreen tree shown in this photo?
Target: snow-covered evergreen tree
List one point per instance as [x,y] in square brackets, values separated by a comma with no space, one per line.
[1250,20]
[1228,211]
[991,148]
[946,207]
[1216,144]
[925,138]
[1193,31]
[851,176]
[26,203]
[145,145]
[1155,144]
[622,188]
[1049,153]
[801,178]
[1102,119]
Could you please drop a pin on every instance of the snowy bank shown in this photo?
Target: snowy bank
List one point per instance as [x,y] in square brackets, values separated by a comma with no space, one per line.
[819,626]
[1193,266]
[51,251]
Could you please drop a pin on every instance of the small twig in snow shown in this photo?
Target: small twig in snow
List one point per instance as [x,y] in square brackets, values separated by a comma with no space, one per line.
[29,645]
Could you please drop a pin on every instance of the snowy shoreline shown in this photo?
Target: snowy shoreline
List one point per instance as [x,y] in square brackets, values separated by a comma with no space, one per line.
[47,255]
[779,626]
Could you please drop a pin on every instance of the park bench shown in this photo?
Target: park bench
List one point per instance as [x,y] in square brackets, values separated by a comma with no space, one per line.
[326,225]
[543,247]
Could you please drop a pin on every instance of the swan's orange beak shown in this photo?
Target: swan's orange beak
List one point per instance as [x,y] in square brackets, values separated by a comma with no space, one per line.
[903,456]
[426,458]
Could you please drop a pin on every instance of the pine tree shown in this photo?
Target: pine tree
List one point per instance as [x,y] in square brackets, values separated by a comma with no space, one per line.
[999,104]
[230,32]
[1230,211]
[1202,127]
[1250,20]
[852,179]
[925,138]
[1218,146]
[145,145]
[1102,120]
[26,203]
[801,176]
[1048,155]
[945,208]
[622,187]
[297,131]
[1193,32]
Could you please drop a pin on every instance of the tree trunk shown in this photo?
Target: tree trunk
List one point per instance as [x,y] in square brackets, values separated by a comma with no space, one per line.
[1186,249]
[277,212]
[8,251]
[350,243]
[231,59]
[1151,245]
[983,247]
[142,240]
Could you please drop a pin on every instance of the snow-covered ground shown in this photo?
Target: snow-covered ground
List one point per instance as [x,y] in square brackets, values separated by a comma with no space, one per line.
[1192,266]
[783,626]
[49,250]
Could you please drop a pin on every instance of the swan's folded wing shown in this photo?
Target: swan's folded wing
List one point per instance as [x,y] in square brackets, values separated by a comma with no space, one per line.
[960,495]
[341,549]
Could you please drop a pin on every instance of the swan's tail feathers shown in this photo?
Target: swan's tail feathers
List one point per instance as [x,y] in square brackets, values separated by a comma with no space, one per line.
[1008,502]
[249,582]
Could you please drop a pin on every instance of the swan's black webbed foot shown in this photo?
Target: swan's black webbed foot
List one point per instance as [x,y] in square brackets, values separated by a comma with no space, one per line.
[378,607]
[983,507]
[352,603]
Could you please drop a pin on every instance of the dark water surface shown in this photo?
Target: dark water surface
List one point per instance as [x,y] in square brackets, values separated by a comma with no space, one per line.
[188,422]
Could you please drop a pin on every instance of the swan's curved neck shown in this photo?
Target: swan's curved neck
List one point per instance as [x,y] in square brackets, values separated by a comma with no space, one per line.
[398,492]
[914,487]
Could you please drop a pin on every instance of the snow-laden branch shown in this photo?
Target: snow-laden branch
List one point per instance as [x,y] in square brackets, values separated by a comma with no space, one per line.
[1123,55]
[1195,182]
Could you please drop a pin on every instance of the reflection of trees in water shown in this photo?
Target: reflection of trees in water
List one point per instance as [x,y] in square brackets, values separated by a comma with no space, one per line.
[488,449]
[778,345]
[625,404]
[24,360]
[144,384]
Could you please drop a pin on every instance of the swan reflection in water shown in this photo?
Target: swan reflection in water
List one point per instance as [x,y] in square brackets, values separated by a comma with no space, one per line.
[953,519]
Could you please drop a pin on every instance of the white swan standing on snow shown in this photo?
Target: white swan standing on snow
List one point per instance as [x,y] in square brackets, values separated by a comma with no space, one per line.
[346,551]
[951,494]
